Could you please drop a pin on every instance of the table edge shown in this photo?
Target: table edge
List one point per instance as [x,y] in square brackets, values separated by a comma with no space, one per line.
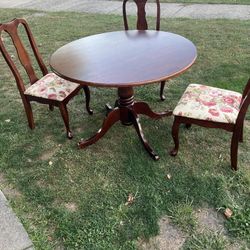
[124,85]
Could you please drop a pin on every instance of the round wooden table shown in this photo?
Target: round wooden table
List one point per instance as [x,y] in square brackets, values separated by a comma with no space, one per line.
[123,60]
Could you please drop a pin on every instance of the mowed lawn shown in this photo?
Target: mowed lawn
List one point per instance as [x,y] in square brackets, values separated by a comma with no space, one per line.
[76,199]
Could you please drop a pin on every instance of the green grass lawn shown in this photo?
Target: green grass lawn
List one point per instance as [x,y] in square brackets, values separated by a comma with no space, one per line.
[78,201]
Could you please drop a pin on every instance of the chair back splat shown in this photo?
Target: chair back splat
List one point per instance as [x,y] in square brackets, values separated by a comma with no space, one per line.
[143,25]
[12,29]
[141,14]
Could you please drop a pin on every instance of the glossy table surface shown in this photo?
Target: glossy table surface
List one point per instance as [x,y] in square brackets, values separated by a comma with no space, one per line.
[124,58]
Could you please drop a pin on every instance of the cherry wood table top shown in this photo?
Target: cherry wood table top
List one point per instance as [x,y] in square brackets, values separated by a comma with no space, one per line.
[124,58]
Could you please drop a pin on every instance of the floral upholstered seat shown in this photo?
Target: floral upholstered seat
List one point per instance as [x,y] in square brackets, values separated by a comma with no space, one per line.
[212,108]
[51,87]
[209,103]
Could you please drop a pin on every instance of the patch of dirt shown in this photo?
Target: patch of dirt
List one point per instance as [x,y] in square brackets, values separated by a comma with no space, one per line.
[48,154]
[72,207]
[209,219]
[41,184]
[170,238]
[237,246]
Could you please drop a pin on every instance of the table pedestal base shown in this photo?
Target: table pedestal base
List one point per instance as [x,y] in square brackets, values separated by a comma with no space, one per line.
[127,112]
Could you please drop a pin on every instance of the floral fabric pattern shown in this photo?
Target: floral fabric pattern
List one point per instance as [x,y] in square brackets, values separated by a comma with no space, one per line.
[51,87]
[209,103]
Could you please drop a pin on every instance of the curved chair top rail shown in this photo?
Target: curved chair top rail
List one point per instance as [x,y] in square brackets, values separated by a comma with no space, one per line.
[141,14]
[12,29]
[245,101]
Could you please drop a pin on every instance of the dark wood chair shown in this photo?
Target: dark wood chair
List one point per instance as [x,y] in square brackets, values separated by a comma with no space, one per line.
[213,108]
[143,25]
[49,89]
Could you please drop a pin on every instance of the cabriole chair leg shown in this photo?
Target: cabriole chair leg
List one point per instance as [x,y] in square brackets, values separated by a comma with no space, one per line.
[87,96]
[241,133]
[175,135]
[65,116]
[29,113]
[234,150]
[51,107]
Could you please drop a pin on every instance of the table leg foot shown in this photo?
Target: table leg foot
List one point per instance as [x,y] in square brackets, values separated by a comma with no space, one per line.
[144,109]
[138,128]
[109,121]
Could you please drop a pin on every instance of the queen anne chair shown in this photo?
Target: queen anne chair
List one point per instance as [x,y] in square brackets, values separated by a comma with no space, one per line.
[214,108]
[50,89]
[143,25]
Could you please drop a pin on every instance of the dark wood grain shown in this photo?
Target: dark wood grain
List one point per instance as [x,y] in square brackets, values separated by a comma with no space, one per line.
[127,112]
[124,58]
[143,25]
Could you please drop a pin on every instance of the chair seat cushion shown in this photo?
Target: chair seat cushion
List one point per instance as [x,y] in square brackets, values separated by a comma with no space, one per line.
[51,87]
[209,103]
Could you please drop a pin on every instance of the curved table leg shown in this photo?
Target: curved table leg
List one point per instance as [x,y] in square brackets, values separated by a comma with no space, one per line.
[138,128]
[110,120]
[144,109]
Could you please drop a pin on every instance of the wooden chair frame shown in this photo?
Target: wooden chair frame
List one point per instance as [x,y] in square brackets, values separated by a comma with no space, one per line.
[12,29]
[143,25]
[236,129]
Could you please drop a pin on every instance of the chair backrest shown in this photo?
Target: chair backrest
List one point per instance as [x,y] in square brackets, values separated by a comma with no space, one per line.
[12,29]
[141,14]
[245,102]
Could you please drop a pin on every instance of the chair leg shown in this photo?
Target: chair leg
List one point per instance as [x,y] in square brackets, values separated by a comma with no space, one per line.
[87,96]
[175,135]
[51,107]
[161,90]
[241,133]
[65,116]
[29,113]
[234,150]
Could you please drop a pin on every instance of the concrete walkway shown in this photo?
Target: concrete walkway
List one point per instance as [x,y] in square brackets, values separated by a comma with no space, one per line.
[169,10]
[12,234]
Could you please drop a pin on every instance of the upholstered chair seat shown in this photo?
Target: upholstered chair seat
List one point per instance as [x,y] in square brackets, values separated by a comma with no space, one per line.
[209,103]
[51,87]
[212,108]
